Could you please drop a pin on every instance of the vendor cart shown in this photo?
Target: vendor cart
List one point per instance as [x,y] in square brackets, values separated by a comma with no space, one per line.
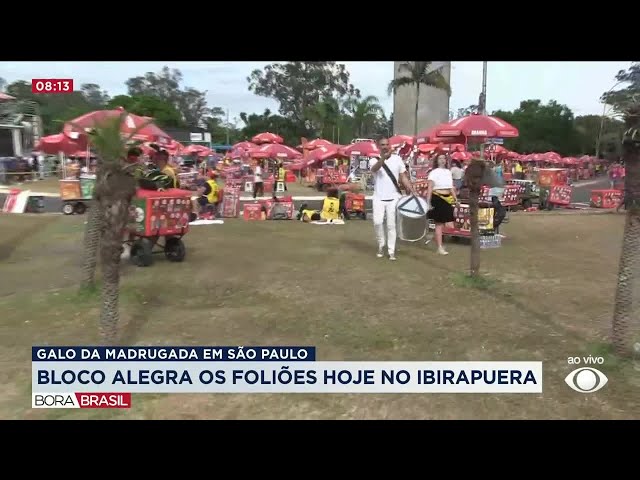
[156,216]
[354,204]
[77,194]
[528,192]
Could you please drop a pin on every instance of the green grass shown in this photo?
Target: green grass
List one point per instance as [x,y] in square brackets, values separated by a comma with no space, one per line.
[545,295]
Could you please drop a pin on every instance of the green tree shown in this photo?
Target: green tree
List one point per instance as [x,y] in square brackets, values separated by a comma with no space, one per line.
[115,187]
[625,316]
[165,85]
[296,86]
[221,129]
[418,74]
[290,131]
[625,99]
[162,111]
[464,112]
[55,109]
[591,128]
[542,128]
[94,95]
[366,114]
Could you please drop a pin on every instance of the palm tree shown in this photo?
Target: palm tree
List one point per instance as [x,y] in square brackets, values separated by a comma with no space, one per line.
[629,267]
[91,243]
[418,74]
[365,112]
[115,187]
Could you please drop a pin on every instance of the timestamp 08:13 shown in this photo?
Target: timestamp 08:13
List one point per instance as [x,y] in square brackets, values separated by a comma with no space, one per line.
[52,85]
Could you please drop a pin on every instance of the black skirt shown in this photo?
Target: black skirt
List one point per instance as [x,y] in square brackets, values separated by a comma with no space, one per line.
[442,211]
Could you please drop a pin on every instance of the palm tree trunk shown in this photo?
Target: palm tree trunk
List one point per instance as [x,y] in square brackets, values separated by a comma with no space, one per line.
[415,113]
[91,243]
[116,191]
[629,267]
[474,176]
[474,267]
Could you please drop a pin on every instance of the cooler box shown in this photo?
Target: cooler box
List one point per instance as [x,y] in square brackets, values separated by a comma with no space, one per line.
[355,202]
[70,190]
[511,195]
[87,186]
[252,211]
[268,203]
[560,195]
[154,213]
[230,201]
[547,177]
[606,198]
[462,222]
[290,177]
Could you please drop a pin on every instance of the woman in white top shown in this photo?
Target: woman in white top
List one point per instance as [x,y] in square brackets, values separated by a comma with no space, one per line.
[258,180]
[442,195]
[457,174]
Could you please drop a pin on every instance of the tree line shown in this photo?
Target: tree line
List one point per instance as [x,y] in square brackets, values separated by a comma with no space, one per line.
[318,99]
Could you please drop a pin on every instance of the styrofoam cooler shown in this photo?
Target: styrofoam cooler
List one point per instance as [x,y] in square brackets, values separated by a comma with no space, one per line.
[490,241]
[411,218]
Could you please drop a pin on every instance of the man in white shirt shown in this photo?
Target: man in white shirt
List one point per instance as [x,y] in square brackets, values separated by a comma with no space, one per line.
[386,195]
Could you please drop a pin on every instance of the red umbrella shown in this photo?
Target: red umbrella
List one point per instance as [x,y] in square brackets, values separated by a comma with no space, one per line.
[238,152]
[323,153]
[398,140]
[429,136]
[52,144]
[193,149]
[244,145]
[477,126]
[274,150]
[267,137]
[318,142]
[4,96]
[513,155]
[427,147]
[145,131]
[461,156]
[366,149]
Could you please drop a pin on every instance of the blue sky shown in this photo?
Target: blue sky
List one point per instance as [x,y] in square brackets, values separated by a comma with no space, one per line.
[576,84]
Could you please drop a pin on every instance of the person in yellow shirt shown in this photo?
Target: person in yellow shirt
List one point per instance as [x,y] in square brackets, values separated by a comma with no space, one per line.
[333,208]
[209,195]
[518,171]
[161,159]
[282,175]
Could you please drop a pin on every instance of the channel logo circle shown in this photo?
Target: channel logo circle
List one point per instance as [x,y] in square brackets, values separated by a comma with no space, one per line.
[586,380]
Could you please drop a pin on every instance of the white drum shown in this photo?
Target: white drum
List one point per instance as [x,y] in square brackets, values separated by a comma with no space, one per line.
[411,218]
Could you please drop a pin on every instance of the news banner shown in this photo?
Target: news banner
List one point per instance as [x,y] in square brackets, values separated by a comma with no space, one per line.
[106,377]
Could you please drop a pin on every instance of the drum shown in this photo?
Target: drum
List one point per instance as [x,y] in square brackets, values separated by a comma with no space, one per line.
[411,218]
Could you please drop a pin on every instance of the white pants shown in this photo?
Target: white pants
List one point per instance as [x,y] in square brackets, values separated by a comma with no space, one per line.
[380,211]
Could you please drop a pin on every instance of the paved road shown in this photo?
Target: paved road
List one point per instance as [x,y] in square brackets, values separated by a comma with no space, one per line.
[581,194]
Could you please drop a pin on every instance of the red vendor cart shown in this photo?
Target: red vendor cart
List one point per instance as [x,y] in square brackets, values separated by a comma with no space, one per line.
[156,215]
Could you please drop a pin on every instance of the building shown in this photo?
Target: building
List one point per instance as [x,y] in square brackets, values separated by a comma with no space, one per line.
[433,107]
[20,127]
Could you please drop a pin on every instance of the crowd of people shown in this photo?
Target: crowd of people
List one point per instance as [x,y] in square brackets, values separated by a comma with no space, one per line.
[445,182]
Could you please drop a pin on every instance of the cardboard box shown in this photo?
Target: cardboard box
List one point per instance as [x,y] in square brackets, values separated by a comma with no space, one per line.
[70,190]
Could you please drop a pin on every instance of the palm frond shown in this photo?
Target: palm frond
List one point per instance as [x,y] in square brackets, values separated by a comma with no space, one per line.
[407,67]
[399,82]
